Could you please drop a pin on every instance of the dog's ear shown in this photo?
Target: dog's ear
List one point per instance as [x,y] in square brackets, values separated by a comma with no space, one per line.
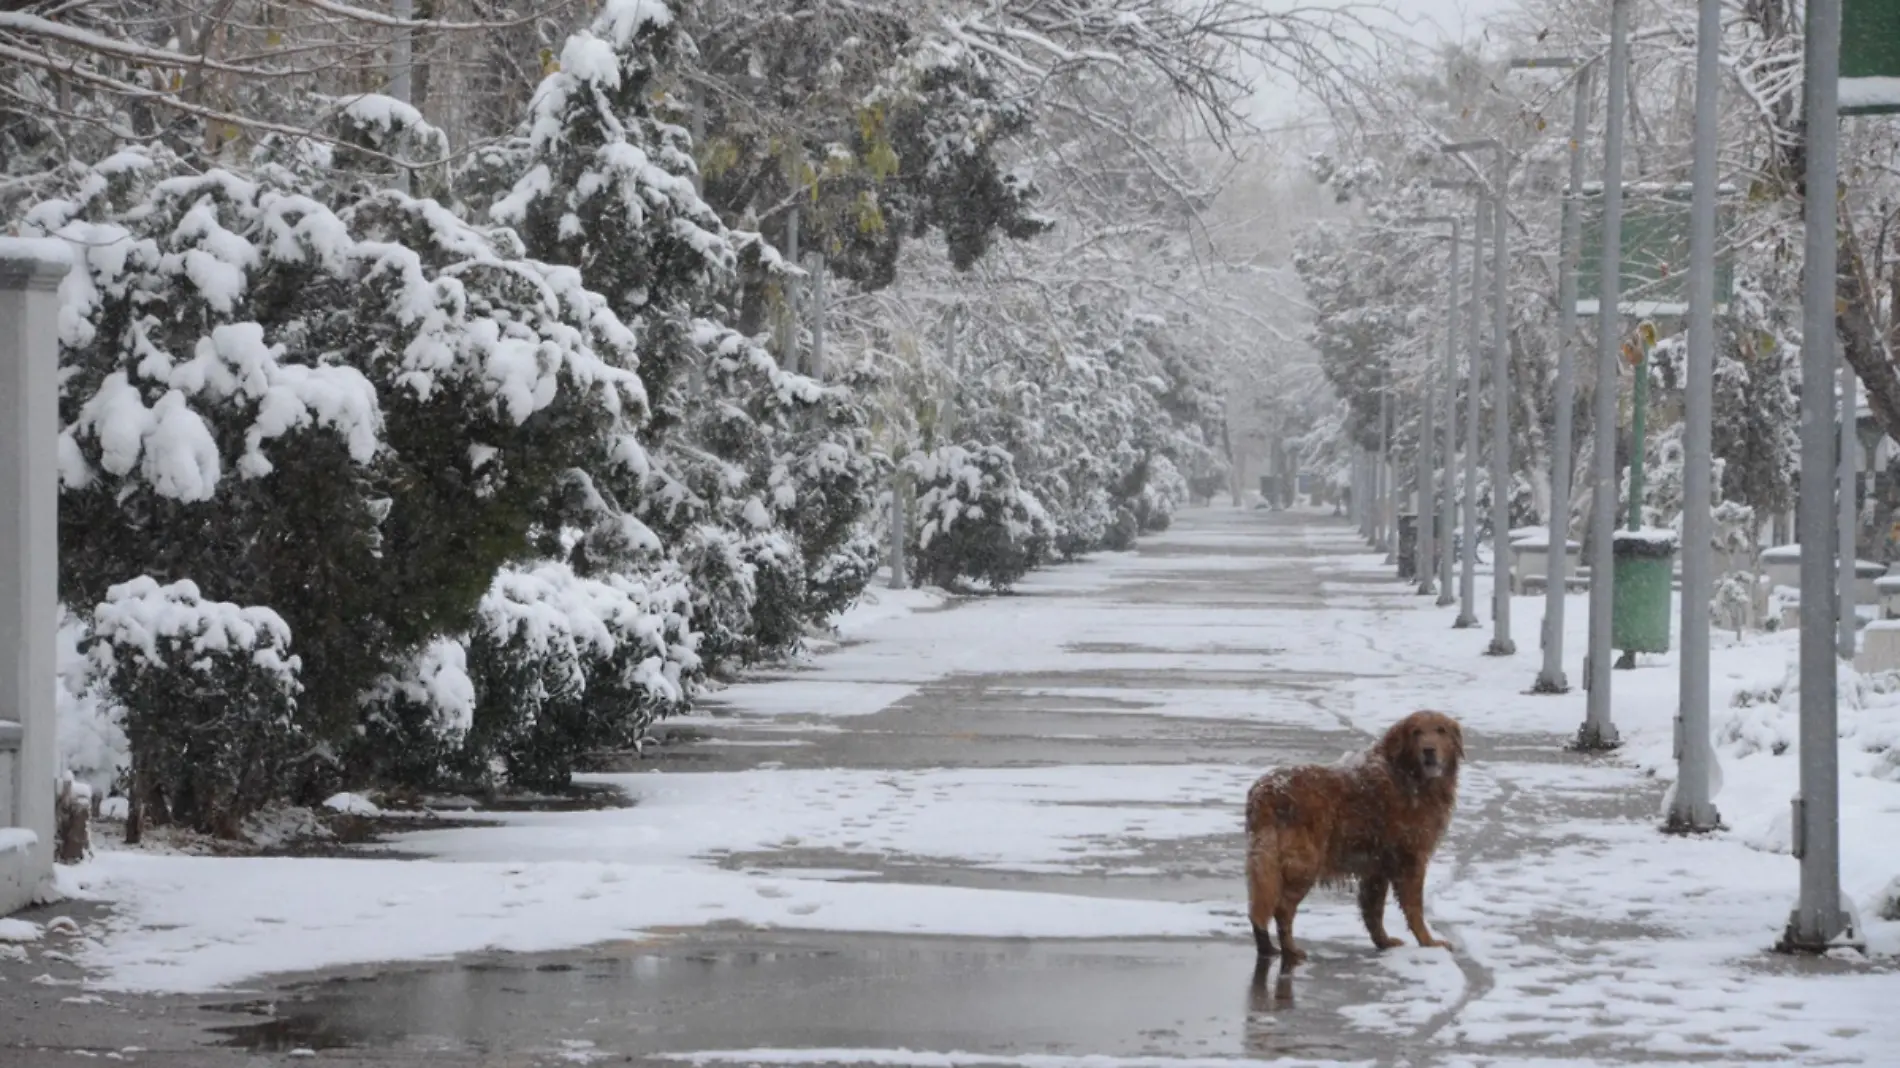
[1393,748]
[1457,740]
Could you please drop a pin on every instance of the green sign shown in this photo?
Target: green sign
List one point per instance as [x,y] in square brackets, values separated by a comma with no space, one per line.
[1655,253]
[1870,57]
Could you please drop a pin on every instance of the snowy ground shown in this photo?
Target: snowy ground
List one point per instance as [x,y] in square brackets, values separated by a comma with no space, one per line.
[1577,925]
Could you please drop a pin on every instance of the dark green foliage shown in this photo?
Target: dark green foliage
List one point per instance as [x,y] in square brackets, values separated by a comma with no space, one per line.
[210,696]
[975,520]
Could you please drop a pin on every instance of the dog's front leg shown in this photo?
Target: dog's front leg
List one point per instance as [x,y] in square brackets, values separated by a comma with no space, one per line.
[1372,890]
[1411,887]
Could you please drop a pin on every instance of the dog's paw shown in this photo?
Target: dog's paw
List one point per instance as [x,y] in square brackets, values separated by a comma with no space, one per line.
[1388,942]
[1290,957]
[1438,943]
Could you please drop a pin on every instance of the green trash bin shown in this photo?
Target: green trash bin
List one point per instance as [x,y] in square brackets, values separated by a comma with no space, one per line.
[1643,566]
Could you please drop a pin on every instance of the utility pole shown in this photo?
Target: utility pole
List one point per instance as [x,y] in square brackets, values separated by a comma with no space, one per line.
[1849,496]
[1691,808]
[788,353]
[1598,732]
[1445,595]
[1439,562]
[1468,538]
[1356,480]
[1819,918]
[1422,547]
[1550,678]
[1501,643]
[1501,400]
[1383,470]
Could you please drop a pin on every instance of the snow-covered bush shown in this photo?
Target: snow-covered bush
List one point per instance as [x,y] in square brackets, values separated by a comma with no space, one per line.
[416,718]
[210,697]
[92,745]
[561,665]
[1162,491]
[1733,605]
[825,485]
[353,417]
[975,521]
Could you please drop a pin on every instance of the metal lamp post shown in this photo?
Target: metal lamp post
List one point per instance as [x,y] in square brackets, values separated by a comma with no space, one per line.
[1691,808]
[1450,500]
[1550,679]
[1501,643]
[1468,540]
[1428,515]
[1820,916]
[1598,732]
[1422,544]
[1384,468]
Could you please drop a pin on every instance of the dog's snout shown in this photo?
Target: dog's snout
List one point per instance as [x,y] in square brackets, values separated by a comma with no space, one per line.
[1430,753]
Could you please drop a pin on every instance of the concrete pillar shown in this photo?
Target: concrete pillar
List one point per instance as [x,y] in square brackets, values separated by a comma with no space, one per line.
[29,550]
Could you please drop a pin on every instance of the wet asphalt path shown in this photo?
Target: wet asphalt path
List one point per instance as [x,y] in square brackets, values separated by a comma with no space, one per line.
[728,988]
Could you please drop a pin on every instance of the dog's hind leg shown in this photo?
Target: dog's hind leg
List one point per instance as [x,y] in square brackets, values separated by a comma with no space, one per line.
[1263,890]
[1372,890]
[1291,894]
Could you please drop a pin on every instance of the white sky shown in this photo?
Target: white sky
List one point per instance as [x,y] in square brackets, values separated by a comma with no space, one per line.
[1428,22]
[1449,19]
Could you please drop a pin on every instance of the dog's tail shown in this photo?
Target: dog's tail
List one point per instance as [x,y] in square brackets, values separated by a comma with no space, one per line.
[1268,803]
[1260,805]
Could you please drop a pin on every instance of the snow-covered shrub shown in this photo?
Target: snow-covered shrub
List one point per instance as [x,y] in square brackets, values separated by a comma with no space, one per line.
[974,520]
[1733,605]
[210,697]
[825,486]
[1162,491]
[416,718]
[563,664]
[778,582]
[92,746]
[351,416]
[1887,901]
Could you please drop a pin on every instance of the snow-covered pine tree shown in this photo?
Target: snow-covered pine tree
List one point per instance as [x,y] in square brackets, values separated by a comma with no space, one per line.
[758,477]
[352,418]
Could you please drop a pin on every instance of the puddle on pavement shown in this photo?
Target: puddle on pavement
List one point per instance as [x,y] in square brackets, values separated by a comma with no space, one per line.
[738,991]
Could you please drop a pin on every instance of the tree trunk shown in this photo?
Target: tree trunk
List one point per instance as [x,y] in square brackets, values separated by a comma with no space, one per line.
[1862,344]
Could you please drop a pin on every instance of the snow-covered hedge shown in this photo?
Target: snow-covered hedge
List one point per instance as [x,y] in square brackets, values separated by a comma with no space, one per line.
[975,522]
[210,692]
[563,664]
[92,745]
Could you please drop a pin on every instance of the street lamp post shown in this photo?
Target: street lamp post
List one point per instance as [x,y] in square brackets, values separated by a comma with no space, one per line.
[1450,501]
[1501,643]
[1422,545]
[1691,808]
[1468,538]
[1382,468]
[1550,679]
[1598,732]
[1441,541]
[1849,493]
[1821,916]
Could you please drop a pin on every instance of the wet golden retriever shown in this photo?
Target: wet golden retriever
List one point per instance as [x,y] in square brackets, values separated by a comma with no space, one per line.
[1376,822]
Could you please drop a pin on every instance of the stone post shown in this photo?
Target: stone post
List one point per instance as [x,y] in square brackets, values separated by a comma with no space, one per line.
[29,549]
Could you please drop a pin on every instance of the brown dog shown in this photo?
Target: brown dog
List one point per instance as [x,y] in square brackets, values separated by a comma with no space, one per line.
[1377,822]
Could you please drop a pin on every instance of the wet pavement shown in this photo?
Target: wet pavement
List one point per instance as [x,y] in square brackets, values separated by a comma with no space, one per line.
[728,988]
